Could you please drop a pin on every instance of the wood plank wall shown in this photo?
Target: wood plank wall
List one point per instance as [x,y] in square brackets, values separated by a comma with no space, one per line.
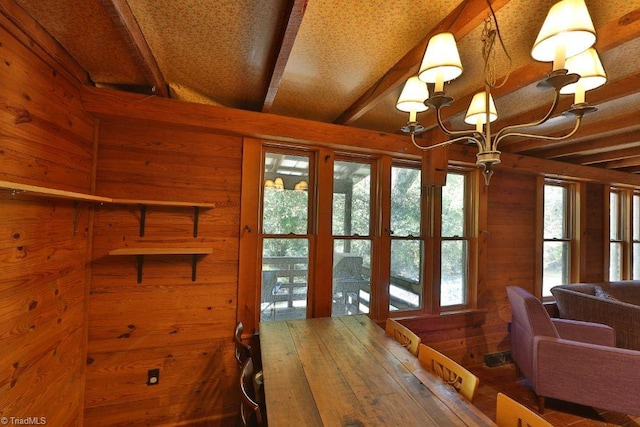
[74,351]
[168,322]
[508,256]
[46,139]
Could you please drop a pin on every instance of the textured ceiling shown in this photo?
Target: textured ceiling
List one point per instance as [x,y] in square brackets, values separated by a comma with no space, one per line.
[337,61]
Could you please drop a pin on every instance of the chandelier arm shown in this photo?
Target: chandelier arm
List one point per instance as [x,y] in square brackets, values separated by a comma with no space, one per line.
[543,137]
[428,147]
[505,131]
[456,134]
[442,144]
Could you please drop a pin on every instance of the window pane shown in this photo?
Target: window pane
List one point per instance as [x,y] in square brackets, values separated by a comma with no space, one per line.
[615,261]
[286,200]
[636,218]
[351,277]
[453,283]
[405,289]
[614,216]
[453,206]
[636,261]
[351,198]
[555,212]
[284,279]
[405,201]
[555,259]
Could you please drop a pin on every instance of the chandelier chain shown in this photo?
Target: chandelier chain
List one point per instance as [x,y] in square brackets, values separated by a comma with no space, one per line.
[489,34]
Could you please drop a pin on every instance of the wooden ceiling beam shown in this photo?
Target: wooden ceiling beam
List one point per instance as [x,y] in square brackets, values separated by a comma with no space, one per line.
[550,168]
[293,17]
[462,20]
[630,170]
[609,126]
[607,156]
[622,163]
[594,146]
[122,16]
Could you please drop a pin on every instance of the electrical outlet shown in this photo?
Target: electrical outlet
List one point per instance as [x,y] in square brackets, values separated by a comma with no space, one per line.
[153,376]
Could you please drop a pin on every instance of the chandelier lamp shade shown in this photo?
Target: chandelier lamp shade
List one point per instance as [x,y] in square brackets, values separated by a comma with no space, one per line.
[566,38]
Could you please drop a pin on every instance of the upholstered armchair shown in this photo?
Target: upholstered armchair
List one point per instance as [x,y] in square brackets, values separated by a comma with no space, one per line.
[571,360]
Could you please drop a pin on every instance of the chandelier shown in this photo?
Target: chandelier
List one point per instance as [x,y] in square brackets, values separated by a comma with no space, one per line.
[566,39]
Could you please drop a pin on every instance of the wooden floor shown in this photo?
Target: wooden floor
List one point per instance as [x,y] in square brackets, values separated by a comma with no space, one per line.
[503,379]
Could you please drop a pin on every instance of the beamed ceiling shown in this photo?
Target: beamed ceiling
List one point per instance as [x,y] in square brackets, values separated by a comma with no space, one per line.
[345,61]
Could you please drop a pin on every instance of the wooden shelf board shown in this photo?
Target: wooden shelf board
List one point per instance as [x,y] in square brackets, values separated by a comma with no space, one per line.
[52,192]
[162,203]
[161,251]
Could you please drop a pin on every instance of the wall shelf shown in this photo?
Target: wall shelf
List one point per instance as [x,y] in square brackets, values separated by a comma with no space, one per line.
[144,203]
[142,251]
[16,188]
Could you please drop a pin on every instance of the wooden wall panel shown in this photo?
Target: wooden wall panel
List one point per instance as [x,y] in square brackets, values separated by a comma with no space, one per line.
[510,252]
[507,251]
[46,139]
[593,237]
[42,310]
[168,322]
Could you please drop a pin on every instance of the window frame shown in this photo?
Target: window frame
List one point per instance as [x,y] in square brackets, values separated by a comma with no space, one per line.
[571,227]
[625,232]
[320,236]
[635,242]
[372,236]
[470,226]
[389,238]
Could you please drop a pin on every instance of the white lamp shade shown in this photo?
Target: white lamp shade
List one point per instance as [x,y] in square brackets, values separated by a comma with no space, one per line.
[278,183]
[413,95]
[568,26]
[441,59]
[477,112]
[301,186]
[587,64]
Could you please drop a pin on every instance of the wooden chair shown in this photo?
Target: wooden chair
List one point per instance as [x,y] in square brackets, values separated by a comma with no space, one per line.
[510,413]
[251,414]
[451,372]
[243,351]
[403,335]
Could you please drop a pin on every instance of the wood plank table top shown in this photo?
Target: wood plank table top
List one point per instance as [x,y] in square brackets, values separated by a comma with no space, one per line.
[344,371]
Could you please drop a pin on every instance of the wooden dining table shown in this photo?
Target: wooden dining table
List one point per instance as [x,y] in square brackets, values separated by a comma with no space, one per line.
[344,371]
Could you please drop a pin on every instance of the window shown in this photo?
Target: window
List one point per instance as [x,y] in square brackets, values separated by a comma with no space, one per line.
[351,225]
[285,236]
[341,234]
[616,234]
[405,285]
[557,236]
[454,245]
[636,237]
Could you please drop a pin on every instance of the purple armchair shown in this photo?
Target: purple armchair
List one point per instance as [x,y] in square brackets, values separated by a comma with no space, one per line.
[572,360]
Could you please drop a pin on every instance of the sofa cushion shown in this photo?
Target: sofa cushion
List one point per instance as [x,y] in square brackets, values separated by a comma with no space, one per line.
[579,301]
[601,293]
[624,290]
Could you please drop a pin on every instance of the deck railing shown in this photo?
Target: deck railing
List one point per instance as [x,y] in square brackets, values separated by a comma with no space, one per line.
[291,277]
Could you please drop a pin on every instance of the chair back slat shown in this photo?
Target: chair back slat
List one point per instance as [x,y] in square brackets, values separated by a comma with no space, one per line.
[510,413]
[449,371]
[242,351]
[403,335]
[250,411]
